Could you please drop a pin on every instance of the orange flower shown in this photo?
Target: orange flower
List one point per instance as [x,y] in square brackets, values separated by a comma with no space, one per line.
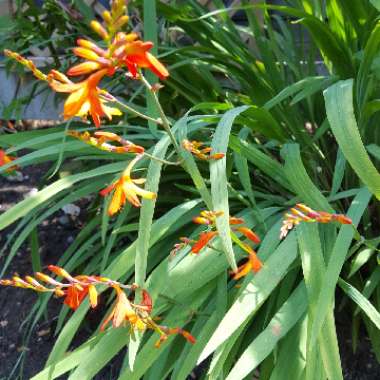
[248,233]
[302,213]
[171,331]
[126,189]
[95,56]
[75,294]
[101,138]
[84,96]
[136,55]
[5,159]
[78,287]
[123,312]
[253,264]
[204,153]
[204,239]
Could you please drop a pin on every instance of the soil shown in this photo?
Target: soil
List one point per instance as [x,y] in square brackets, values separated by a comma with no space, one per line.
[15,305]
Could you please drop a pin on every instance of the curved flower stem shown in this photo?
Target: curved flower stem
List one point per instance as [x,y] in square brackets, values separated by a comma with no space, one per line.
[176,163]
[130,109]
[165,122]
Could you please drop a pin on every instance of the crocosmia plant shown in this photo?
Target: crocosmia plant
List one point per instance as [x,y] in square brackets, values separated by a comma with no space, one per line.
[220,188]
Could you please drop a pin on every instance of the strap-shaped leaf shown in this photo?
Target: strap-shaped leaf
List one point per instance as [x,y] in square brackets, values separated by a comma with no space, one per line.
[340,113]
[335,264]
[288,315]
[218,176]
[254,293]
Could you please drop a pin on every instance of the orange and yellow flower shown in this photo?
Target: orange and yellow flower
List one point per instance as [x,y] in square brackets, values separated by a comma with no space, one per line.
[123,312]
[5,159]
[208,218]
[84,96]
[76,288]
[302,213]
[194,147]
[253,264]
[100,140]
[126,189]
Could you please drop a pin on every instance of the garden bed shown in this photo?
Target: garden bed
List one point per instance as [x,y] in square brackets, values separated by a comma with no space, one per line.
[55,235]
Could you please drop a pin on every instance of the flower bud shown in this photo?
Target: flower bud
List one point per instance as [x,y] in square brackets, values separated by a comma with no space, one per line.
[98,28]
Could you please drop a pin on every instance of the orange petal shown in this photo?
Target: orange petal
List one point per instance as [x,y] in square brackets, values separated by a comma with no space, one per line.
[93,296]
[243,270]
[85,53]
[108,136]
[107,190]
[188,336]
[342,219]
[147,301]
[61,272]
[107,320]
[201,220]
[75,296]
[84,68]
[91,46]
[255,262]
[74,103]
[204,238]
[98,28]
[157,67]
[248,233]
[117,200]
[123,309]
[234,220]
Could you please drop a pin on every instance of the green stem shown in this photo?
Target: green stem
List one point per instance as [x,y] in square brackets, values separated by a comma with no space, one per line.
[165,122]
[130,109]
[177,163]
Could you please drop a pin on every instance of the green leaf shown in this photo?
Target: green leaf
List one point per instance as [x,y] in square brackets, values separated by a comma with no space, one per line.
[28,204]
[218,177]
[265,163]
[72,360]
[313,267]
[340,112]
[288,315]
[337,258]
[296,175]
[376,4]
[254,293]
[361,301]
[109,344]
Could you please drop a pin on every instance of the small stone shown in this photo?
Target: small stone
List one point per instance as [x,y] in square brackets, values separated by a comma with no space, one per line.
[64,220]
[71,209]
[22,349]
[15,177]
[43,332]
[31,193]
[4,323]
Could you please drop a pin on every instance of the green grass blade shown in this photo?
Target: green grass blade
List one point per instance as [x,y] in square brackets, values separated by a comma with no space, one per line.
[361,301]
[336,262]
[218,177]
[28,204]
[300,180]
[288,315]
[254,293]
[340,112]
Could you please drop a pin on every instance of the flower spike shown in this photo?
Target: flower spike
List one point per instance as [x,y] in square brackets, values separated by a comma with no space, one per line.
[126,189]
[302,213]
[77,288]
[194,147]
